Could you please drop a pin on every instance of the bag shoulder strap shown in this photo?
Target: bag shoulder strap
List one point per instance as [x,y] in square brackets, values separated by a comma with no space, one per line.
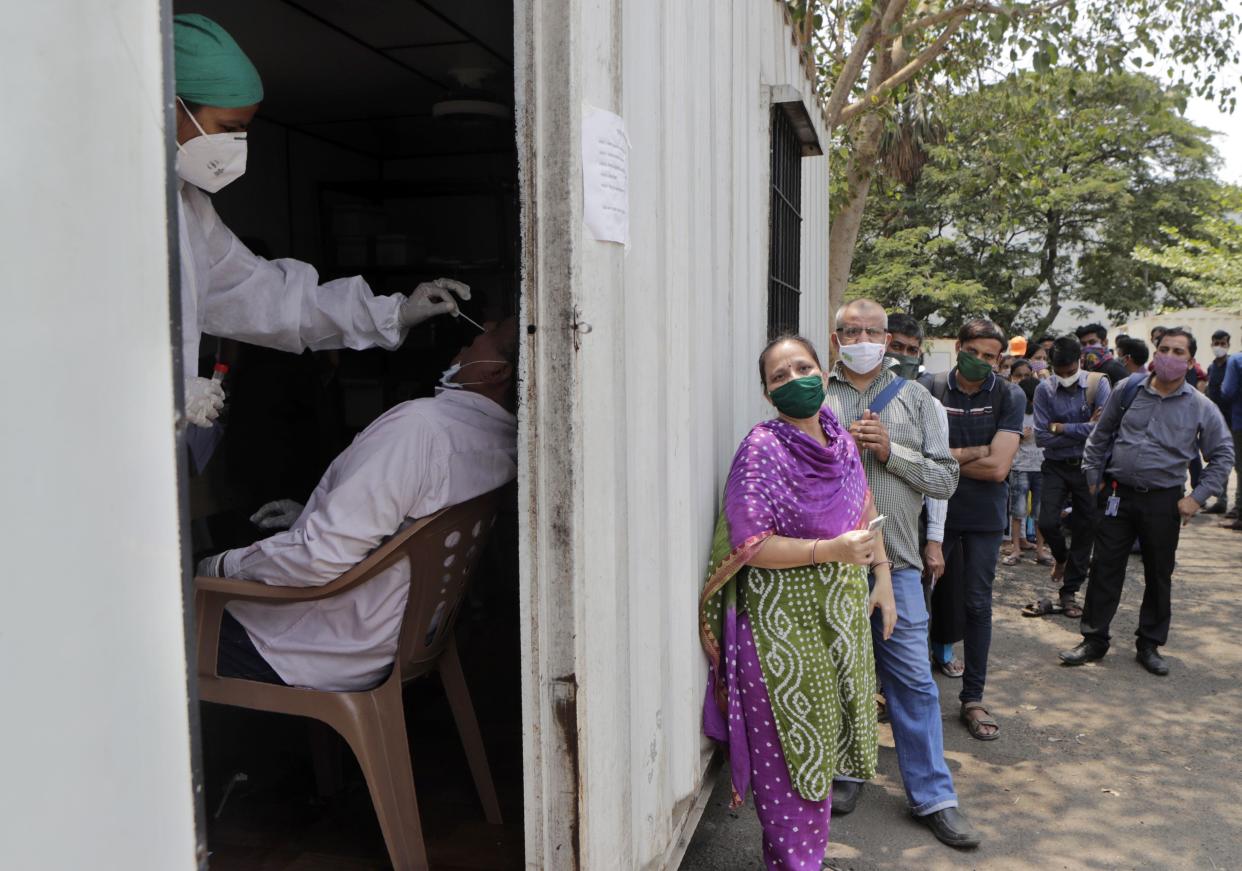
[938,384]
[1130,391]
[887,395]
[999,394]
[1093,387]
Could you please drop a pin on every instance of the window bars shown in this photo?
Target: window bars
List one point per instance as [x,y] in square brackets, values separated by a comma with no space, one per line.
[785,227]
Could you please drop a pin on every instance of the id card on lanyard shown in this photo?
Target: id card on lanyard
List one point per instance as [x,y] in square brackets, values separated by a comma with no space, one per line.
[1114,501]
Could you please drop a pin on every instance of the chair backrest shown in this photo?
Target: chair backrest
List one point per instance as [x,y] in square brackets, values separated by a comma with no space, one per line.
[442,555]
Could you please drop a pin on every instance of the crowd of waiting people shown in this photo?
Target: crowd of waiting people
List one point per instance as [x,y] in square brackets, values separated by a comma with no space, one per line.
[862,525]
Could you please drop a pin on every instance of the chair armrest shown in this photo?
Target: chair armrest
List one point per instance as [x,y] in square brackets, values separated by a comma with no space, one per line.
[212,594]
[234,589]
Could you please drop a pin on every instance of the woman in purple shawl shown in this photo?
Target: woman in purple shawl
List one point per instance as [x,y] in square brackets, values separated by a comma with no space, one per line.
[785,613]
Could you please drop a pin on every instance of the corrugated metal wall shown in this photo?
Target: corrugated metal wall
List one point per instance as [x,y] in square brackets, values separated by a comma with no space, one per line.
[645,413]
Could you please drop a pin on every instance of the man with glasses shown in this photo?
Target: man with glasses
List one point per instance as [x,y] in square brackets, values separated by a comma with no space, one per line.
[905,454]
[985,426]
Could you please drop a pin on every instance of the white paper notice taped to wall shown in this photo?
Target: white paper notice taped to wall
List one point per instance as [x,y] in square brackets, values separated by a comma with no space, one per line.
[606,176]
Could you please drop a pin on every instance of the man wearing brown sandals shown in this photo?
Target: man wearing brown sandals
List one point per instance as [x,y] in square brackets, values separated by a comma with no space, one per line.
[1066,409]
[985,424]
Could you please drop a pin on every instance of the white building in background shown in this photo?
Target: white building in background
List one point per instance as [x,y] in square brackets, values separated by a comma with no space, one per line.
[1202,322]
[639,381]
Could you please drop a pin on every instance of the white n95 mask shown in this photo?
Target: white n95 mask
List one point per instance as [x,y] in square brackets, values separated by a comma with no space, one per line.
[211,161]
[862,357]
[1068,381]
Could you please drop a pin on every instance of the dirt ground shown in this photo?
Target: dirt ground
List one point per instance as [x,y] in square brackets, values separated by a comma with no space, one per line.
[1100,766]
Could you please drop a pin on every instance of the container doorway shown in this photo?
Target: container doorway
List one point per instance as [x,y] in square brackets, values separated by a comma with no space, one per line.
[384,147]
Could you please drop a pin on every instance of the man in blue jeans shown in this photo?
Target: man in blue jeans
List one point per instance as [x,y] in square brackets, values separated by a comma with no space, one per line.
[905,452]
[985,426]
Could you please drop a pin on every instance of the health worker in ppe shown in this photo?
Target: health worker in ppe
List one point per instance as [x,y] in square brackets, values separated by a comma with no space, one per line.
[228,291]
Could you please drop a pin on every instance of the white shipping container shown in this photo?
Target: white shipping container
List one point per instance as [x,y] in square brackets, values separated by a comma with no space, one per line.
[639,370]
[641,380]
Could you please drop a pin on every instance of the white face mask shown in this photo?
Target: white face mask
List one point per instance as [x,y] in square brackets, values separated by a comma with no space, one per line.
[1068,380]
[446,378]
[862,357]
[1219,350]
[211,161]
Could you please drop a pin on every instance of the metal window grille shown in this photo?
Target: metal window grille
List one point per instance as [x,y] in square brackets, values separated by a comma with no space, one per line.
[785,227]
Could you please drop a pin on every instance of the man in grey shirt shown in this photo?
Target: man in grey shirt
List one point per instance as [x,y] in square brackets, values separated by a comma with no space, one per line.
[1136,459]
[905,452]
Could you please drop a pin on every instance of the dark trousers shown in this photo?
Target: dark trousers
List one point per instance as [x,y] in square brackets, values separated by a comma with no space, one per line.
[966,601]
[238,657]
[1065,481]
[1153,518]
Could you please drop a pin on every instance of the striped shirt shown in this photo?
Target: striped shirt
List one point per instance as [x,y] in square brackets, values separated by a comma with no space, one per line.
[919,461]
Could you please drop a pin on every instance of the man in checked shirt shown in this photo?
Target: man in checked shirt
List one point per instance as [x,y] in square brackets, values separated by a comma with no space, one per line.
[905,449]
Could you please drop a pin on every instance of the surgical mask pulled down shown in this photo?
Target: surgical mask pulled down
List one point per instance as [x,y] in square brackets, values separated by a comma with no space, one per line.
[862,357]
[906,366]
[211,160]
[446,378]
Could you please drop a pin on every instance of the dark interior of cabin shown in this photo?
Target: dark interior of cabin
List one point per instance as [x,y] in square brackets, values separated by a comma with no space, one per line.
[384,147]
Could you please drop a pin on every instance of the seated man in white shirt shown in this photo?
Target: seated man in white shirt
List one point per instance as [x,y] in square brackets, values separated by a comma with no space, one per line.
[417,458]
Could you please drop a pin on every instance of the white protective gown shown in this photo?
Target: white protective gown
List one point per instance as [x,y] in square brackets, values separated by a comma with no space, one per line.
[417,458]
[228,291]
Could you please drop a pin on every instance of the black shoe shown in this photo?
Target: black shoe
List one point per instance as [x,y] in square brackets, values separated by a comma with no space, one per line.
[1088,651]
[845,795]
[1152,661]
[1232,513]
[951,827]
[1217,507]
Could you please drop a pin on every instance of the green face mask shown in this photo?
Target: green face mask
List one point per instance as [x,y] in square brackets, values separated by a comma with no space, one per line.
[800,398]
[907,367]
[971,367]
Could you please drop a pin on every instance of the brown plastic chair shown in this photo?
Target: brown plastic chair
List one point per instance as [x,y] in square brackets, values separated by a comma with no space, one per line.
[442,551]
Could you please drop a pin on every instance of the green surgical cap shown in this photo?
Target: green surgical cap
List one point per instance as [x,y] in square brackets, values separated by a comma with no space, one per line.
[212,70]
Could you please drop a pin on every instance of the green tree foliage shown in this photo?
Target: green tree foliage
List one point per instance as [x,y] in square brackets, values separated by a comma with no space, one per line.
[1038,191]
[1206,261]
[871,56]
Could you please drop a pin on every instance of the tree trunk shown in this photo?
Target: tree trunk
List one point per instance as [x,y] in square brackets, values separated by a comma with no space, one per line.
[863,160]
[1048,274]
[843,234]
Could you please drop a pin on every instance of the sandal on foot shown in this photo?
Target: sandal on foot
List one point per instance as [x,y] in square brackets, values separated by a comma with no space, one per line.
[1009,559]
[974,725]
[1045,559]
[1069,608]
[1042,608]
[954,668]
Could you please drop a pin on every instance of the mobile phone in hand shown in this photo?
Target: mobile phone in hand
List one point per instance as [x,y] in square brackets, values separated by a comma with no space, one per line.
[877,524]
